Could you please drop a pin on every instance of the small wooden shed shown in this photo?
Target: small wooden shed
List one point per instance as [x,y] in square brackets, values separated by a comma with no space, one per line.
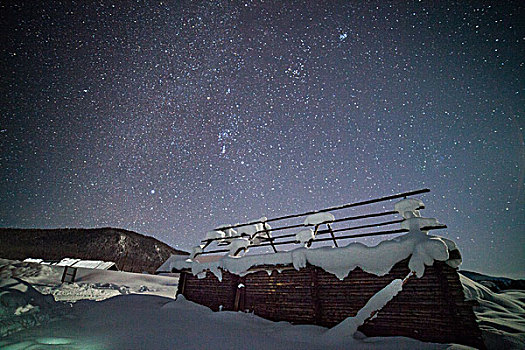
[431,307]
[78,263]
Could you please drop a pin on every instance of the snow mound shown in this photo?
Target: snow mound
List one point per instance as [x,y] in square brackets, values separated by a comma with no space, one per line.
[305,237]
[262,232]
[90,284]
[318,218]
[22,306]
[501,315]
[409,207]
[238,245]
[28,271]
[152,322]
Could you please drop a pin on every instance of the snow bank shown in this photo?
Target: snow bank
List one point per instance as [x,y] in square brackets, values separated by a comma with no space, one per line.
[151,322]
[90,284]
[501,316]
[318,218]
[422,249]
[21,305]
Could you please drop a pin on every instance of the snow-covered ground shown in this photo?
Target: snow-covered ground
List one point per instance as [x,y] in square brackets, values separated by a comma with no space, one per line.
[119,310]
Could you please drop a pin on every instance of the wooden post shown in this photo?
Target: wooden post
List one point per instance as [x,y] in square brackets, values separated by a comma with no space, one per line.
[182,284]
[316,228]
[238,303]
[208,242]
[69,274]
[237,299]
[268,236]
[332,234]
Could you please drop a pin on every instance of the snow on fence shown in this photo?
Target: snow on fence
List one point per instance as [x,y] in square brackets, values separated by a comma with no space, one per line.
[406,286]
[259,233]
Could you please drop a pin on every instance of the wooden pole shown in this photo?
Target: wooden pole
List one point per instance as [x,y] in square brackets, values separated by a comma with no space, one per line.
[339,207]
[349,218]
[332,234]
[268,236]
[322,232]
[378,233]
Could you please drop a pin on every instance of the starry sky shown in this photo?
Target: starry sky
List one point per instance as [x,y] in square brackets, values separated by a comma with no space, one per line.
[172,117]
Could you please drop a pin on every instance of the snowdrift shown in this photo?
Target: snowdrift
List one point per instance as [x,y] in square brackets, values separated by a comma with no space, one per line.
[144,320]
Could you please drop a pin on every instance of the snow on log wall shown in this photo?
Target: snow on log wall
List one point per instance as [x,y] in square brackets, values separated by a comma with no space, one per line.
[431,308]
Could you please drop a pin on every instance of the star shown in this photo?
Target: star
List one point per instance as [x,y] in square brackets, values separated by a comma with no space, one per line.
[173,119]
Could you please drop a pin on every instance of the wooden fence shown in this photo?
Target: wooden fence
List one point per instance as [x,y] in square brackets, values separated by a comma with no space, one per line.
[280,234]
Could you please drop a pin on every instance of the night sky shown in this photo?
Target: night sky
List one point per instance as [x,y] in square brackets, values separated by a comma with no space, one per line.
[170,118]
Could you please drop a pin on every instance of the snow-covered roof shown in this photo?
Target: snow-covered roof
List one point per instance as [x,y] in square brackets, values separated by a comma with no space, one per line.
[166,267]
[421,248]
[418,246]
[87,264]
[319,218]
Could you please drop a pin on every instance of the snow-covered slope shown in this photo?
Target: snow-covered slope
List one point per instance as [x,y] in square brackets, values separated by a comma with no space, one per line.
[495,284]
[137,311]
[89,283]
[501,315]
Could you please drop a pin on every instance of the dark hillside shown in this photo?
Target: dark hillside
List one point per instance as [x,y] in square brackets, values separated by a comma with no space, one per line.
[130,250]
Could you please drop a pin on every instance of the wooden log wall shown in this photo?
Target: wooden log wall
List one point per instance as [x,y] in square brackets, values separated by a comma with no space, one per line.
[210,291]
[431,308]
